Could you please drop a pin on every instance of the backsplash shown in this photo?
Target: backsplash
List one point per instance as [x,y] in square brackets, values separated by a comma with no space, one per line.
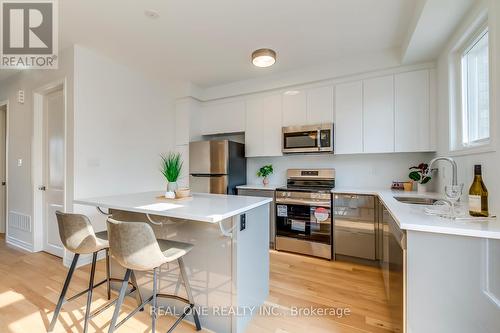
[365,170]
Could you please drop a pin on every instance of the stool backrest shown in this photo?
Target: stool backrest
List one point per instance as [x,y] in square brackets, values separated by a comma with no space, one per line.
[76,232]
[133,245]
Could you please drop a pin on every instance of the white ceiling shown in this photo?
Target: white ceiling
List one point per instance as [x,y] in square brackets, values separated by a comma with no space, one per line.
[209,42]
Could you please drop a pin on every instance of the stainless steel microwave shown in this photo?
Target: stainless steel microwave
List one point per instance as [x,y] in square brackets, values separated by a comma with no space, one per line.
[308,139]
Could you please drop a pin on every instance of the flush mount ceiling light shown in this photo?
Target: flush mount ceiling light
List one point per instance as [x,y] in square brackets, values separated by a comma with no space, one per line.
[151,13]
[263,57]
[291,92]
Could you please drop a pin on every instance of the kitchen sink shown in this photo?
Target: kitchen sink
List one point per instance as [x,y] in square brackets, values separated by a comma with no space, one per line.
[416,200]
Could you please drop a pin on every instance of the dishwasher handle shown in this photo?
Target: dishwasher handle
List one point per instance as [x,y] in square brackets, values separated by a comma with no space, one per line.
[396,232]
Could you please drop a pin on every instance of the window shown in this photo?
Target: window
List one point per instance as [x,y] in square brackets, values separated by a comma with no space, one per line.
[475,92]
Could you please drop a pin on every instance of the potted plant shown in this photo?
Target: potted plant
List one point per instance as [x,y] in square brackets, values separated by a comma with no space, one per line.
[420,174]
[171,167]
[264,172]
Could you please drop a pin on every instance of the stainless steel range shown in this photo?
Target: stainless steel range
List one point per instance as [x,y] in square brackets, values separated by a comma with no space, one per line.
[304,212]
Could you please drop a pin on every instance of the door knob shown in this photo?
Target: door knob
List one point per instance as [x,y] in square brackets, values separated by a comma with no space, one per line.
[42,188]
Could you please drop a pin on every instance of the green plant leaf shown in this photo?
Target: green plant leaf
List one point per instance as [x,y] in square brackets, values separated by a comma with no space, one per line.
[265,171]
[425,180]
[415,175]
[171,166]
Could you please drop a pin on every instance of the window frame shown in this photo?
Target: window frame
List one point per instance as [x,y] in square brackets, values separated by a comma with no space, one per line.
[464,112]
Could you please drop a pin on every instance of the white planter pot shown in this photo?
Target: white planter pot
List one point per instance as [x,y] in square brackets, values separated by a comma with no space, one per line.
[421,188]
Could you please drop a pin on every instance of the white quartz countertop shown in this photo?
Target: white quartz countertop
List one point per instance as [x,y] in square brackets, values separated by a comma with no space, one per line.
[269,187]
[202,207]
[412,217]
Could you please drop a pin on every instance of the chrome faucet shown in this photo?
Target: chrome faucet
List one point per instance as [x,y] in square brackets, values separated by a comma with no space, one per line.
[454,180]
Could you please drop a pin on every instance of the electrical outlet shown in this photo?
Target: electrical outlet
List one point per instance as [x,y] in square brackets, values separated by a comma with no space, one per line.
[243,222]
[20,96]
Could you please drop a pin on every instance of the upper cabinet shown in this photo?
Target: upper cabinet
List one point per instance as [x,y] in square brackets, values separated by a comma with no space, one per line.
[308,106]
[320,105]
[223,117]
[412,112]
[263,126]
[295,108]
[390,113]
[348,118]
[384,114]
[378,115]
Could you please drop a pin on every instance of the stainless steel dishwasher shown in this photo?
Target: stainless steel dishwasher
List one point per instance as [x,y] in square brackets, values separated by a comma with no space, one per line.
[355,226]
[393,264]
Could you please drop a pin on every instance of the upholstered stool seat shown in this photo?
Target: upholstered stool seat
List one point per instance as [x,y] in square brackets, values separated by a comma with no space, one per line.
[78,236]
[134,246]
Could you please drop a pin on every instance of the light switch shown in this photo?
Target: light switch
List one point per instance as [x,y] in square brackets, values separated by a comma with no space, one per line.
[20,162]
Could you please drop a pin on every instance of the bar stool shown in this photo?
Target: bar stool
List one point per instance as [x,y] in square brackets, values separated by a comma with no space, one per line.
[78,236]
[134,246]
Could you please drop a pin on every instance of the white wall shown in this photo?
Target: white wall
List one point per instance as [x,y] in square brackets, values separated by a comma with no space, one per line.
[489,160]
[123,122]
[119,122]
[367,170]
[20,184]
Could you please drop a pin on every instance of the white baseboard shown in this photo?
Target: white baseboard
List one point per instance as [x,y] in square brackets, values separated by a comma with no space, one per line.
[19,243]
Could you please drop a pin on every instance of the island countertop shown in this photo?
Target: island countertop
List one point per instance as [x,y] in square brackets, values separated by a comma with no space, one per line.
[204,207]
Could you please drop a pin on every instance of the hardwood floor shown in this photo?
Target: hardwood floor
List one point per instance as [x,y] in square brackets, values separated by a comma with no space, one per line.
[30,284]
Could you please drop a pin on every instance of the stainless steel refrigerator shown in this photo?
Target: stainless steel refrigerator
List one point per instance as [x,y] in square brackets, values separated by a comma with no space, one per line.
[217,166]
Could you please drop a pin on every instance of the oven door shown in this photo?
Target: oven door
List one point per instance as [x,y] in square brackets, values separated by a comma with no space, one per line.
[304,221]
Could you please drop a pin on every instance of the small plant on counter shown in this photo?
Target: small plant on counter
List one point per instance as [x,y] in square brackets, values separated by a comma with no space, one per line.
[171,167]
[265,172]
[420,173]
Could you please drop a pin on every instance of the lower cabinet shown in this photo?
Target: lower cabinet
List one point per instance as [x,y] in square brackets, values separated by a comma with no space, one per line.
[272,210]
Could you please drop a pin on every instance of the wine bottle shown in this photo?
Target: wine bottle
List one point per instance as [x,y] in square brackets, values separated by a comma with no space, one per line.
[478,195]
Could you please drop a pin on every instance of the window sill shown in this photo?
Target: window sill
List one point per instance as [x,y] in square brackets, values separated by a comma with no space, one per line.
[480,149]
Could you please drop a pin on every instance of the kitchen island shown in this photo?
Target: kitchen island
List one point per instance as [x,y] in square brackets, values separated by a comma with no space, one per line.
[229,266]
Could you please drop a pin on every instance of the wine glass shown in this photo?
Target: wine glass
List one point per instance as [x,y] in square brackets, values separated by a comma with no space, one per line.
[453,194]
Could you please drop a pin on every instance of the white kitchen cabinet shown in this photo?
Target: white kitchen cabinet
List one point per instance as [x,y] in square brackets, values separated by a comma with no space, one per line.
[220,118]
[263,126]
[320,105]
[412,112]
[187,124]
[295,108]
[311,106]
[378,115]
[349,118]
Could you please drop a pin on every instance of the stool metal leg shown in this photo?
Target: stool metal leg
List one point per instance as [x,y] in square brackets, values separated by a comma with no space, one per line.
[89,294]
[138,296]
[63,292]
[108,273]
[184,276]
[119,302]
[154,302]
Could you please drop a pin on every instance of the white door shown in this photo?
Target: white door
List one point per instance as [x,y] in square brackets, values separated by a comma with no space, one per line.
[3,139]
[53,172]
[349,118]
